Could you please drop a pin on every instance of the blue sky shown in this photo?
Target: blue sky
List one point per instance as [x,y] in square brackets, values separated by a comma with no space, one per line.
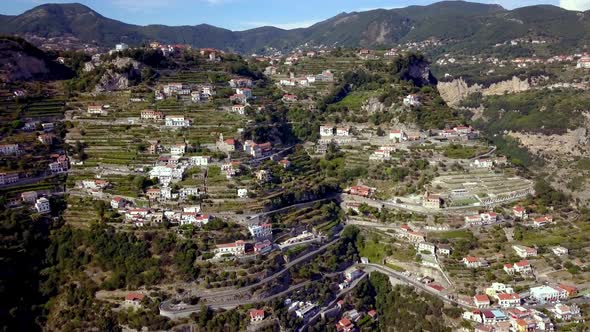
[246,14]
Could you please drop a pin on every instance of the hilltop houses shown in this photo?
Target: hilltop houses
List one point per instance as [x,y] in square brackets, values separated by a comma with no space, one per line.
[362,191]
[8,178]
[96,110]
[261,231]
[236,248]
[522,267]
[398,135]
[542,221]
[473,262]
[42,205]
[524,252]
[289,98]
[519,212]
[226,145]
[6,149]
[177,121]
[326,131]
[200,160]
[257,150]
[151,115]
[240,83]
[432,201]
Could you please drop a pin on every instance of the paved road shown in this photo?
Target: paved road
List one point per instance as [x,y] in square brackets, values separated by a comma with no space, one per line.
[255,216]
[167,309]
[334,301]
[492,151]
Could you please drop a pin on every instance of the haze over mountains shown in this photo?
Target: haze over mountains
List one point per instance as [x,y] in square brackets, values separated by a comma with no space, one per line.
[471,26]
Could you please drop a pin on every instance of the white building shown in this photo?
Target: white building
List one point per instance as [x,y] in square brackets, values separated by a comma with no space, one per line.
[200,160]
[185,192]
[42,205]
[260,231]
[507,300]
[560,251]
[524,252]
[565,312]
[548,294]
[57,167]
[178,149]
[237,248]
[247,92]
[306,311]
[398,135]
[29,196]
[117,202]
[177,121]
[343,131]
[121,47]
[167,174]
[9,149]
[243,193]
[472,262]
[584,63]
[94,184]
[426,246]
[240,109]
[326,131]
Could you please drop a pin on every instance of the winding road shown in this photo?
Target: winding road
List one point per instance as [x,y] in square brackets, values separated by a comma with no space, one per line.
[168,309]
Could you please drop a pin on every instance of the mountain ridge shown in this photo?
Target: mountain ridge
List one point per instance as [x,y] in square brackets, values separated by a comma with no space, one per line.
[473,24]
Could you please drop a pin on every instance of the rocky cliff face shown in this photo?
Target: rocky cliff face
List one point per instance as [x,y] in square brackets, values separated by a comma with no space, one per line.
[373,105]
[419,73]
[455,91]
[120,75]
[20,61]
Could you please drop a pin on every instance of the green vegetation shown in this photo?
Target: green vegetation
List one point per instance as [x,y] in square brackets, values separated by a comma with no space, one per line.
[399,307]
[534,111]
[458,151]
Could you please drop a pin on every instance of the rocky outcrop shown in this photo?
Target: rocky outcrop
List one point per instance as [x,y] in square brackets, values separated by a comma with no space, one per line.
[419,73]
[513,86]
[455,91]
[20,61]
[112,81]
[121,74]
[373,105]
[574,143]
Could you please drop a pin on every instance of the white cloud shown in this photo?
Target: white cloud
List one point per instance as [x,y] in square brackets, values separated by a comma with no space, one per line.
[286,26]
[581,5]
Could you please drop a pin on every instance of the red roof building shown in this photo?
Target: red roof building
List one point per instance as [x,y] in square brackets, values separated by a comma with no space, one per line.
[256,315]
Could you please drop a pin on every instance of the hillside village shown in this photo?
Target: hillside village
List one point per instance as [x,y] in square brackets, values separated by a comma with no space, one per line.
[273,192]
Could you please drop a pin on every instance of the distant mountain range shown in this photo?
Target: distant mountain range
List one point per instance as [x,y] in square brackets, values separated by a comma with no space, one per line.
[470,26]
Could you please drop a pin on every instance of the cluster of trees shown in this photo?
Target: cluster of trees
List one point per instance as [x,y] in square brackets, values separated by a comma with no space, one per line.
[400,308]
[23,244]
[127,258]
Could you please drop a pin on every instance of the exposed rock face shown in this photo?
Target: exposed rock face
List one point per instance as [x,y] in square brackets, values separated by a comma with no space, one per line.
[512,86]
[19,61]
[455,91]
[112,81]
[125,70]
[571,144]
[373,105]
[88,67]
[419,73]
